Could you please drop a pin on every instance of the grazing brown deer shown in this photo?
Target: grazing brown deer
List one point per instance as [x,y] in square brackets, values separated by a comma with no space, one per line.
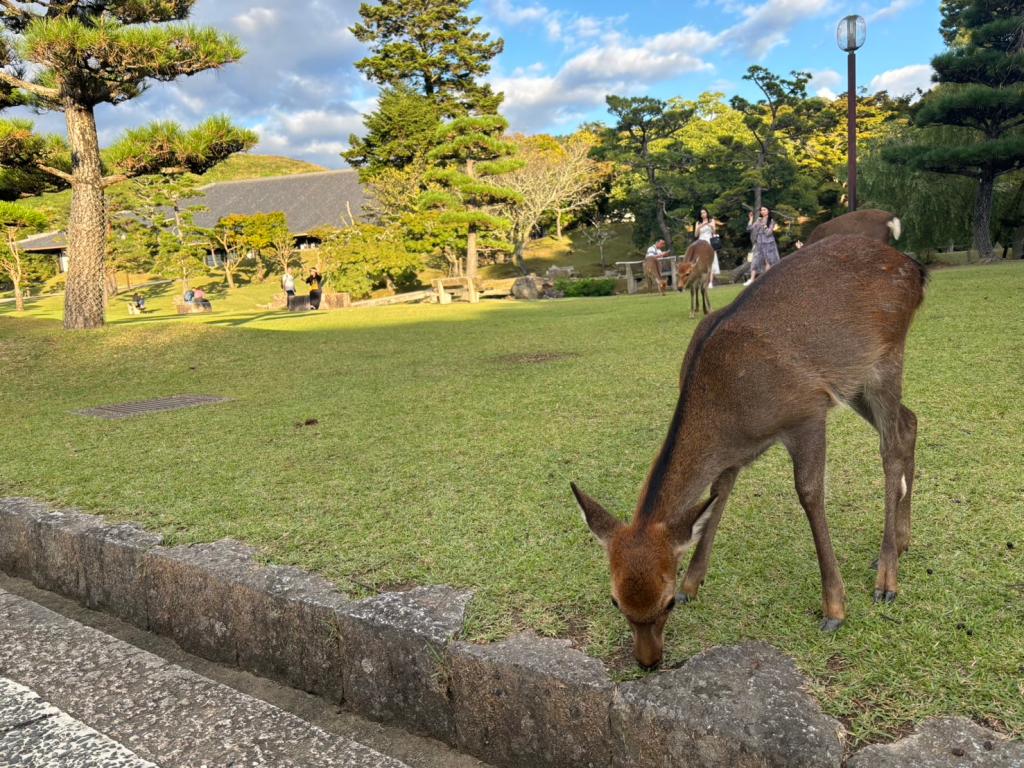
[882,226]
[826,326]
[652,275]
[695,274]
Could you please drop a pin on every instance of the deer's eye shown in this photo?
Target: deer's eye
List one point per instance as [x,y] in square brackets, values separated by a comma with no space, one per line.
[671,605]
[615,603]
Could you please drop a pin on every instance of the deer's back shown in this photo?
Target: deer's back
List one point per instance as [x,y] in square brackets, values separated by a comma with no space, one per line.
[873,224]
[814,327]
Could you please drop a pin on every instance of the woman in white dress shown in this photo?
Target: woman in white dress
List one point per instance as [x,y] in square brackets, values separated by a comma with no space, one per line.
[705,229]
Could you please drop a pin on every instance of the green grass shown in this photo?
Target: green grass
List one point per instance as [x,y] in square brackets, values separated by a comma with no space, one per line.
[446,438]
[572,250]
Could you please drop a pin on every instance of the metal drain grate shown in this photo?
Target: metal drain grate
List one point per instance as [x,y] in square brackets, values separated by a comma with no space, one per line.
[161,404]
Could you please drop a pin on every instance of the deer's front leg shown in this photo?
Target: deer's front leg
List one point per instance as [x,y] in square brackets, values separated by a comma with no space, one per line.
[698,567]
[806,446]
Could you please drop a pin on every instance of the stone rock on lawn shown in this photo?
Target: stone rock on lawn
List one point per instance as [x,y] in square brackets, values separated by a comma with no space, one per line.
[527,287]
[738,706]
[948,742]
[532,702]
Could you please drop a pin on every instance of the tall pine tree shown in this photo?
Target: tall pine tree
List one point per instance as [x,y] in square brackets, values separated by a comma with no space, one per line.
[473,154]
[981,93]
[70,56]
[432,46]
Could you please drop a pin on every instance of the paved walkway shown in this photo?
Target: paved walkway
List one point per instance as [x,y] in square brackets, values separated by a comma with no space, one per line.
[74,697]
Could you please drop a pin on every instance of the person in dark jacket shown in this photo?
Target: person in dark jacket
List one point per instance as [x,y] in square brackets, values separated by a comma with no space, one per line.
[314,281]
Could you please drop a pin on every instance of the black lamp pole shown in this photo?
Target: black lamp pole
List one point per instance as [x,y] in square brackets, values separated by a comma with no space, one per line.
[850,35]
[851,128]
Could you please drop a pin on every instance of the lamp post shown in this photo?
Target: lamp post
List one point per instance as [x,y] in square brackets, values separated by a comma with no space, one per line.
[850,36]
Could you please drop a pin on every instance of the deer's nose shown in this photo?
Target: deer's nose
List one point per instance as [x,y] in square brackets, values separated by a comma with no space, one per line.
[649,667]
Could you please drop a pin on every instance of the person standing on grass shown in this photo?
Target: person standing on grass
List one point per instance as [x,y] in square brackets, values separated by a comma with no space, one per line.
[314,281]
[288,283]
[766,250]
[706,229]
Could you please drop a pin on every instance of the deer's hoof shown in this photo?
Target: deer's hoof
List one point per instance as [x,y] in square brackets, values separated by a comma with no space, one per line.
[830,625]
[882,596]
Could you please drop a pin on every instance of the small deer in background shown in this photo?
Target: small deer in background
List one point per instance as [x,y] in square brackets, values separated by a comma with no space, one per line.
[882,226]
[826,326]
[695,274]
[653,276]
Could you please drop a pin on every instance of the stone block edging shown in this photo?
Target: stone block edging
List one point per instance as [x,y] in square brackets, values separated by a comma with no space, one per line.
[396,658]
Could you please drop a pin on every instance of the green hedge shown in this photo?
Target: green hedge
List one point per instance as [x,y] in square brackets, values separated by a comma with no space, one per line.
[587,286]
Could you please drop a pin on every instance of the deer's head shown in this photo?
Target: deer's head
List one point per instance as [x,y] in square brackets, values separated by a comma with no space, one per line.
[685,269]
[644,558]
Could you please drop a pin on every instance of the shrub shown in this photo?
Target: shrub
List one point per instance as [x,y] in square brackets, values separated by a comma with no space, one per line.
[588,286]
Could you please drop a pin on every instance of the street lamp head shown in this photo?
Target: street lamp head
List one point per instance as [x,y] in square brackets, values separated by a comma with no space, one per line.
[851,33]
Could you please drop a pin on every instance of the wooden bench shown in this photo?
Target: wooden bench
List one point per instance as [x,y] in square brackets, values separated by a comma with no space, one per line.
[448,288]
[633,271]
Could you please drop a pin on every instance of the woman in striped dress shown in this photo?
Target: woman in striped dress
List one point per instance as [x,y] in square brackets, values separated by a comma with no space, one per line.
[762,234]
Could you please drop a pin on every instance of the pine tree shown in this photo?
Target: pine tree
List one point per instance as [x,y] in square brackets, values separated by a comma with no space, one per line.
[767,118]
[474,154]
[432,46]
[981,94]
[81,55]
[642,141]
[399,132]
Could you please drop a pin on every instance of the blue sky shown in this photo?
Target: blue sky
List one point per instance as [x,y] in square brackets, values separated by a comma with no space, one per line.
[298,88]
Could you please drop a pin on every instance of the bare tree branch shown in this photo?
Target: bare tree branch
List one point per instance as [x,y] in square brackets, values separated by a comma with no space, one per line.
[109,181]
[56,172]
[38,90]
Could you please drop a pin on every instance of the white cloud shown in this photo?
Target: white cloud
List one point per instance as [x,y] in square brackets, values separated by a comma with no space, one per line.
[893,9]
[256,18]
[616,65]
[823,83]
[507,13]
[904,80]
[767,25]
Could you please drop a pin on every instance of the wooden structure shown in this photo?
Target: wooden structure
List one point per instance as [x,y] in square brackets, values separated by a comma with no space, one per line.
[633,271]
[448,288]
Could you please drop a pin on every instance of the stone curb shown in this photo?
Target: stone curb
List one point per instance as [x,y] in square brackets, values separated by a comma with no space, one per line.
[525,701]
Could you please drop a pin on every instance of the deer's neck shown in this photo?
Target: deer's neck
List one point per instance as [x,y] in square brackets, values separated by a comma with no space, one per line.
[686,464]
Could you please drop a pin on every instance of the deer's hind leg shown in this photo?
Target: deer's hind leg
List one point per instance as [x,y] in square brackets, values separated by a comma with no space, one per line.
[806,446]
[897,430]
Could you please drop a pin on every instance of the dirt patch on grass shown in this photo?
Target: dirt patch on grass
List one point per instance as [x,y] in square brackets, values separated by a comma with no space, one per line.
[534,358]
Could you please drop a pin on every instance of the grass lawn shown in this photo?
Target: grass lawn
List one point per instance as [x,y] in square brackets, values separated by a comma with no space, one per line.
[445,439]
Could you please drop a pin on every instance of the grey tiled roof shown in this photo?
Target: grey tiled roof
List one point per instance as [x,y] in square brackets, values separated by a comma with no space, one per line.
[309,200]
[48,241]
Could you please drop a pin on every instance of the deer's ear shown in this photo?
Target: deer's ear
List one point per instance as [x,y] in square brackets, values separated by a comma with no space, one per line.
[688,526]
[601,524]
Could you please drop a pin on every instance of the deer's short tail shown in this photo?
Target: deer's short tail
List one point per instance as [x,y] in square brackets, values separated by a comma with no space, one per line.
[895,227]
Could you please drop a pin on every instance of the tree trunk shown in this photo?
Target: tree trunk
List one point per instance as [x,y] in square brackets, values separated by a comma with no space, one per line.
[229,276]
[1018,242]
[983,217]
[19,300]
[666,233]
[558,223]
[84,300]
[518,259]
[111,283]
[471,255]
